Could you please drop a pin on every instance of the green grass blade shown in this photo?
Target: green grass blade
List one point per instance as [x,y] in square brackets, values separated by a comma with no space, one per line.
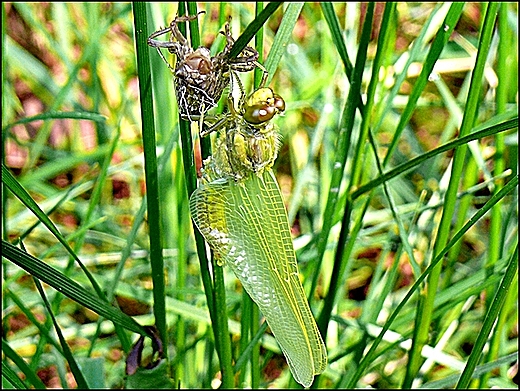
[489,321]
[343,147]
[68,287]
[44,328]
[219,316]
[506,47]
[343,141]
[436,48]
[253,27]
[337,37]
[283,35]
[476,135]
[470,113]
[33,68]
[259,46]
[58,115]
[125,255]
[367,359]
[30,376]
[450,381]
[10,376]
[150,164]
[213,287]
[413,54]
[15,187]
[67,353]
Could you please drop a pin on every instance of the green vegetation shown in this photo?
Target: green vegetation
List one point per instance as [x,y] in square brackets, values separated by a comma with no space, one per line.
[398,164]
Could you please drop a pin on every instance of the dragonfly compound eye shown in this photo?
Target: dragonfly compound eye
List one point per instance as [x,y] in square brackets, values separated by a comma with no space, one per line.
[279,103]
[258,114]
[262,105]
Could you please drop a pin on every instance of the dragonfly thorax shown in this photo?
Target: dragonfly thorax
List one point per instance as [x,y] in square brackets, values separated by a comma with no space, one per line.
[251,149]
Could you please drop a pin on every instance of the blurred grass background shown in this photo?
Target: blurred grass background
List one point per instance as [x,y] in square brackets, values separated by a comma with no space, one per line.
[354,78]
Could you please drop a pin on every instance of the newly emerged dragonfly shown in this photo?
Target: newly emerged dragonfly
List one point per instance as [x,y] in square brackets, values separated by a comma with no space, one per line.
[200,78]
[240,212]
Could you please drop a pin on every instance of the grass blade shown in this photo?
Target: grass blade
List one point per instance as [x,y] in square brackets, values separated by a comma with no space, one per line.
[489,321]
[68,287]
[150,164]
[30,376]
[457,236]
[74,368]
[470,114]
[283,35]
[15,187]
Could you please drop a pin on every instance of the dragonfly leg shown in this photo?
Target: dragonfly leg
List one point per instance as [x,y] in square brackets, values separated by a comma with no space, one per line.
[219,124]
[264,76]
[245,61]
[175,32]
[229,39]
[172,46]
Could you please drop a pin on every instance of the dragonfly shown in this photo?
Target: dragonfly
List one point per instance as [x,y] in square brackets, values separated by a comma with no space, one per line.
[239,210]
[200,78]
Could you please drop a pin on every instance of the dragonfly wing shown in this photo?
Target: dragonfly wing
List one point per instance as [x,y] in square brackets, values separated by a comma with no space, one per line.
[246,226]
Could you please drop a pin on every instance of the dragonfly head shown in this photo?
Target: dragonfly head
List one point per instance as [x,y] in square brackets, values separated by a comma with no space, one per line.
[262,105]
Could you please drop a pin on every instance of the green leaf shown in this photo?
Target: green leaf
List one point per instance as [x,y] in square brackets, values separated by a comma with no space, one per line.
[68,287]
[28,372]
[282,38]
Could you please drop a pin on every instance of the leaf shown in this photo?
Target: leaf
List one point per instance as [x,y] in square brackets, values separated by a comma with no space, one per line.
[68,287]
